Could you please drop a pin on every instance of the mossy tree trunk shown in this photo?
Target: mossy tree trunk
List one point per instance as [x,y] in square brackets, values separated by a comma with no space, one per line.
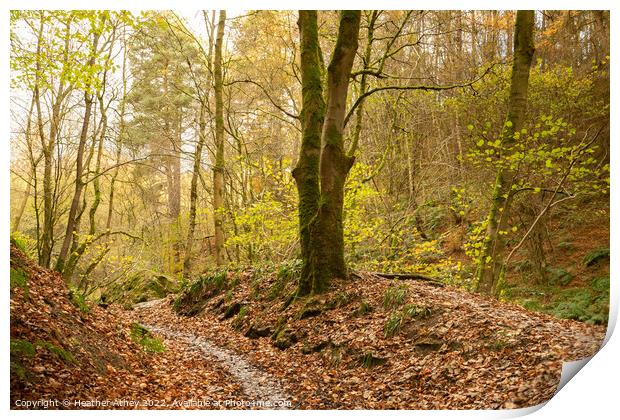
[323,164]
[218,167]
[491,266]
[306,172]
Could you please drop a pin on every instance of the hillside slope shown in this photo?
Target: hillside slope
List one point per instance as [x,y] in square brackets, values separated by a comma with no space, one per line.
[376,343]
[88,357]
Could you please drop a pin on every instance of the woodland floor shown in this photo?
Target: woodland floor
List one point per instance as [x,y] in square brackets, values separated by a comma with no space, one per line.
[455,350]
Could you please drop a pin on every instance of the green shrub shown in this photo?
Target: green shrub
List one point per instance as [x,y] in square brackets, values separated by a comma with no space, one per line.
[368,360]
[600,284]
[193,299]
[565,245]
[290,270]
[533,305]
[413,311]
[408,312]
[586,305]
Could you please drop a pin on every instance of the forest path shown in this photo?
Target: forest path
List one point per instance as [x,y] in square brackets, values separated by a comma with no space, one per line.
[260,387]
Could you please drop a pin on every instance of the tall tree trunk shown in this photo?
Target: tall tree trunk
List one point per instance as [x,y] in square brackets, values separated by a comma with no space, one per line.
[48,145]
[335,163]
[79,248]
[70,231]
[218,167]
[321,207]
[193,194]
[491,266]
[306,172]
[120,138]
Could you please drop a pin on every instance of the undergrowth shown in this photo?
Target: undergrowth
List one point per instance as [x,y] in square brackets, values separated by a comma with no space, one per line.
[145,339]
[395,295]
[586,304]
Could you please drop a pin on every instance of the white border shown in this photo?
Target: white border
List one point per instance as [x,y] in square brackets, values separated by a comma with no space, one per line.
[592,394]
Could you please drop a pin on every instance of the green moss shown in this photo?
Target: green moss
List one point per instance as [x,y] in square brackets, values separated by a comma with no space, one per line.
[58,351]
[22,348]
[19,278]
[145,339]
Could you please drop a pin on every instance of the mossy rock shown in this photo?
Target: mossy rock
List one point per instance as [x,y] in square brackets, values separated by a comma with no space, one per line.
[255,331]
[194,298]
[232,310]
[140,287]
[311,307]
[309,347]
[285,339]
